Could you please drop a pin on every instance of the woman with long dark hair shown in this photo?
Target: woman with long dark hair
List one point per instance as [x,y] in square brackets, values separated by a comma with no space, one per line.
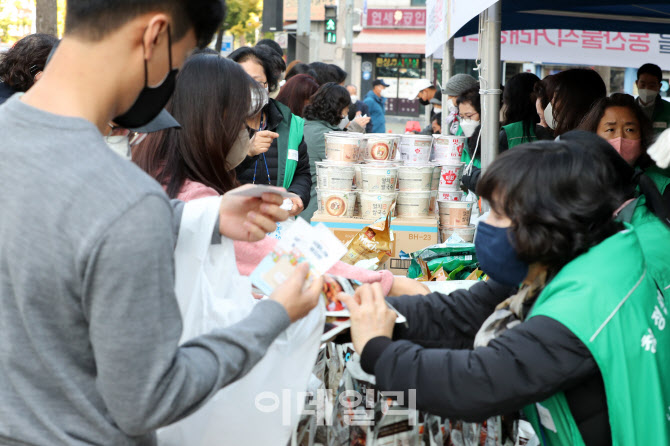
[520,116]
[278,155]
[581,348]
[296,92]
[22,65]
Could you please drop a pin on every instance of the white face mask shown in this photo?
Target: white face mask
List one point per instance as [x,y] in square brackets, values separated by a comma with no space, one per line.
[469,126]
[239,150]
[549,116]
[119,145]
[452,108]
[354,98]
[647,96]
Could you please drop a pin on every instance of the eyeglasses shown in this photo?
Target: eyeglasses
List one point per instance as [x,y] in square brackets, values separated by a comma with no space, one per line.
[118,134]
[468,116]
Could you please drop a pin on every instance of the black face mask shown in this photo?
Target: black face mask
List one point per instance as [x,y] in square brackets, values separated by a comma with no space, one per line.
[151,100]
[422,102]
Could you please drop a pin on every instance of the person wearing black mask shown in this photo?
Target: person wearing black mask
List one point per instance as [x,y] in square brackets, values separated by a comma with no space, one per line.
[575,347]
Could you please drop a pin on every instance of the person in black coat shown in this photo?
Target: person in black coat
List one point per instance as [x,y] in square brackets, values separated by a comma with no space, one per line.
[358,106]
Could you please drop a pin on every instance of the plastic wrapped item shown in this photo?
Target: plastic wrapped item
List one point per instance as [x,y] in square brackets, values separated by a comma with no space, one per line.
[371,247]
[455,261]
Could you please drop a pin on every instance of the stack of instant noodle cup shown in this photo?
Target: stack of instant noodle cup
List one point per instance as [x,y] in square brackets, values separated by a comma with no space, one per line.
[453,211]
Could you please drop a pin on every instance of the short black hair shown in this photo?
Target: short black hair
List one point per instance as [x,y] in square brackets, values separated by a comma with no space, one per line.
[94,19]
[650,68]
[300,68]
[25,59]
[326,73]
[327,104]
[560,198]
[265,57]
[274,46]
[337,73]
[472,96]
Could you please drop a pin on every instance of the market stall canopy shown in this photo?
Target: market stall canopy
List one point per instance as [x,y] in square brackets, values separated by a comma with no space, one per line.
[462,17]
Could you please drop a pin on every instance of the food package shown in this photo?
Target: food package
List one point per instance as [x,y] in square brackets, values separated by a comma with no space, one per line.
[371,247]
[446,261]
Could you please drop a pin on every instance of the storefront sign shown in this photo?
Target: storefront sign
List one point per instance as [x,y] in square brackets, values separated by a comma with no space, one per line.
[396,18]
[576,47]
[399,62]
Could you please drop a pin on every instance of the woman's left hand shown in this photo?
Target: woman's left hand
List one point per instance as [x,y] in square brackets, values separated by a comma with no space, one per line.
[297,208]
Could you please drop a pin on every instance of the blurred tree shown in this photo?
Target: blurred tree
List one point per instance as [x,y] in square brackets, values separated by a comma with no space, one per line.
[242,21]
[61,17]
[47,17]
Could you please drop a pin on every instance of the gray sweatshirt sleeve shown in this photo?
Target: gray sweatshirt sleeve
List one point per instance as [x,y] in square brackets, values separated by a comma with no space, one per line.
[145,378]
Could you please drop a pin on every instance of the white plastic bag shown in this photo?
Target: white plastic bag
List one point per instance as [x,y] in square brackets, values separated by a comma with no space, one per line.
[212,294]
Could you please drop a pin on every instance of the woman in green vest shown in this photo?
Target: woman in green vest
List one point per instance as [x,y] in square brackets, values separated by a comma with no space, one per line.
[583,346]
[520,113]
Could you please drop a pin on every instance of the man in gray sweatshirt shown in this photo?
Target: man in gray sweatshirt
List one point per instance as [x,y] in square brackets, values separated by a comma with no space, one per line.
[89,321]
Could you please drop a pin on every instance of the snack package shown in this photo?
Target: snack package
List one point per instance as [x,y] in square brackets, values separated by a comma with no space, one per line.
[397,426]
[301,243]
[446,261]
[371,247]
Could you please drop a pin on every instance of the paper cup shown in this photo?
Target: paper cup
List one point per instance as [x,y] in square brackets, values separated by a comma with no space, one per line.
[415,148]
[413,204]
[342,147]
[450,178]
[376,205]
[467,233]
[437,171]
[333,175]
[448,149]
[337,203]
[451,196]
[380,147]
[415,178]
[379,178]
[455,213]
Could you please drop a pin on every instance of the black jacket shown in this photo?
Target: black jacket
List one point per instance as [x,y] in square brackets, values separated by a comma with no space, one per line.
[362,107]
[526,364]
[302,180]
[5,92]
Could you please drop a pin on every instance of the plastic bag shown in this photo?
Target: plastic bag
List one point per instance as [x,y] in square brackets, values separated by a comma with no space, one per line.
[448,261]
[212,294]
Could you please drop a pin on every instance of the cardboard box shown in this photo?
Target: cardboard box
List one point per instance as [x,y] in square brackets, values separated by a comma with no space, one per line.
[410,235]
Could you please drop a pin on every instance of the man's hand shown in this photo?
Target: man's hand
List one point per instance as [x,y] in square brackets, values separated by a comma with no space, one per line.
[261,142]
[370,316]
[297,208]
[249,219]
[290,294]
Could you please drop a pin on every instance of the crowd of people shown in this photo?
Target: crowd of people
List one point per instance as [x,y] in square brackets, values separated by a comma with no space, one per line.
[98,163]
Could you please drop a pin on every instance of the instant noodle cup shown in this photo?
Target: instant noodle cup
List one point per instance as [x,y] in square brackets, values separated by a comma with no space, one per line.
[375,205]
[337,203]
[342,147]
[455,213]
[451,196]
[450,178]
[437,171]
[333,175]
[380,147]
[448,149]
[379,177]
[358,176]
[415,148]
[413,204]
[467,233]
[418,177]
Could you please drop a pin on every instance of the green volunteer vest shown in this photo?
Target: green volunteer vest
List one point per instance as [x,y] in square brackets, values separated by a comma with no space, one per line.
[290,132]
[661,116]
[613,304]
[465,157]
[515,136]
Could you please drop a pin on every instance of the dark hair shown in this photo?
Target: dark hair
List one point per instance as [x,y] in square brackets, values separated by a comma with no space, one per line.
[327,104]
[272,64]
[471,96]
[544,90]
[94,19]
[300,68]
[208,87]
[274,46]
[630,179]
[205,50]
[576,92]
[560,198]
[437,117]
[296,91]
[25,59]
[520,102]
[328,73]
[650,68]
[592,120]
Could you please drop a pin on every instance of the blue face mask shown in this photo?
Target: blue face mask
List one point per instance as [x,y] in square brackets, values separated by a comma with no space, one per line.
[497,256]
